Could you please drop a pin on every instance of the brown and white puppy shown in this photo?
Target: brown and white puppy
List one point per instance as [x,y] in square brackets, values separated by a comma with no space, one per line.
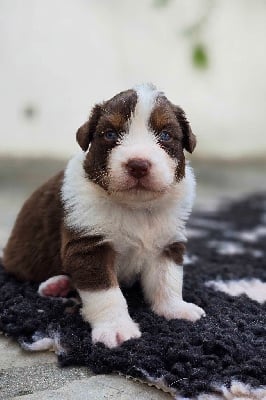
[117,213]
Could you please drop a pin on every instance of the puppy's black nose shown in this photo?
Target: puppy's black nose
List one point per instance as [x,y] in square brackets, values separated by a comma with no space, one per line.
[138,168]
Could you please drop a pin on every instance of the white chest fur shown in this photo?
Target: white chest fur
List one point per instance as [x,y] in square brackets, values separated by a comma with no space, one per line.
[138,234]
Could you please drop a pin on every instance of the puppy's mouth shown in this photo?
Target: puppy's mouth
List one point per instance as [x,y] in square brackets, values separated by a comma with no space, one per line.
[140,187]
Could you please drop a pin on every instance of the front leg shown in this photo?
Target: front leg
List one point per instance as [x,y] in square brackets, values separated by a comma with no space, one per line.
[162,284]
[91,263]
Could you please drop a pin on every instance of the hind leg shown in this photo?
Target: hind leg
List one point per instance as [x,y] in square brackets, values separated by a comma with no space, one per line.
[57,286]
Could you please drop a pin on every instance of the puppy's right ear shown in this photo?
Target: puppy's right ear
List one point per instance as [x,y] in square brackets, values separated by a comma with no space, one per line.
[85,133]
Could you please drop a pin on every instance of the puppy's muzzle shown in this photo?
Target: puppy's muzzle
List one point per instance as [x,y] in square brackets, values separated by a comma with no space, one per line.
[138,168]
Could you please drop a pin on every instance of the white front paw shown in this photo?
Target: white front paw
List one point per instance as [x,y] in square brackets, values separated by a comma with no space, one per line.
[181,310]
[114,333]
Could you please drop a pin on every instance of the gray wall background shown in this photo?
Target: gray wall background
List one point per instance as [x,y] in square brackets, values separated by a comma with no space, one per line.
[59,57]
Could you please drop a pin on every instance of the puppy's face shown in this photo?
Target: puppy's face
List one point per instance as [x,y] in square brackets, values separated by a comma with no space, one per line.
[137,141]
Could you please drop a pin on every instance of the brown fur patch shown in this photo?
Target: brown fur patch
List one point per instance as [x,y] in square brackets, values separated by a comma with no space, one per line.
[115,121]
[175,251]
[115,114]
[189,140]
[85,133]
[33,250]
[89,262]
[40,246]
[163,118]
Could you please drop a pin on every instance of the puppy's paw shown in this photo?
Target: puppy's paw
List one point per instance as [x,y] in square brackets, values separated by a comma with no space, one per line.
[180,310]
[114,333]
[57,286]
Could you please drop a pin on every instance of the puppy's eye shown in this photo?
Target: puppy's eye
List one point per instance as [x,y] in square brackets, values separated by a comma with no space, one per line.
[165,136]
[110,135]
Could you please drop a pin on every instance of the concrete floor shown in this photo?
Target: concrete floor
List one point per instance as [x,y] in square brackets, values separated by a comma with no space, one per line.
[35,376]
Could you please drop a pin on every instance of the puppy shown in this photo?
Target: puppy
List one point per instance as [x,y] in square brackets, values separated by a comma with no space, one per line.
[115,214]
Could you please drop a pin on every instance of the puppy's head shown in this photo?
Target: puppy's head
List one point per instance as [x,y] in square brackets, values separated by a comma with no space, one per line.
[135,143]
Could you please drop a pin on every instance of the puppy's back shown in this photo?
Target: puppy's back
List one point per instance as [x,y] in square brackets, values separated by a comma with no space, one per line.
[33,249]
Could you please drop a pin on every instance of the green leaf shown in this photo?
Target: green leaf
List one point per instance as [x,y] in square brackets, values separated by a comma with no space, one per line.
[200,57]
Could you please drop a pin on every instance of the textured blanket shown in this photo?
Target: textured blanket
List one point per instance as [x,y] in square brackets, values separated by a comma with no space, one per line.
[221,356]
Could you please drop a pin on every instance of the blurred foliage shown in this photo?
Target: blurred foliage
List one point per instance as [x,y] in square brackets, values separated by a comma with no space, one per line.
[30,111]
[200,56]
[199,53]
[161,3]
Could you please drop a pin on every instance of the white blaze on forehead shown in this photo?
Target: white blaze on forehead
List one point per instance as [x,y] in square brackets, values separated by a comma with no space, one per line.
[147,94]
[138,125]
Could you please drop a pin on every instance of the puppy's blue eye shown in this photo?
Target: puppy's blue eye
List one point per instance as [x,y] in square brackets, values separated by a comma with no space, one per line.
[111,135]
[164,136]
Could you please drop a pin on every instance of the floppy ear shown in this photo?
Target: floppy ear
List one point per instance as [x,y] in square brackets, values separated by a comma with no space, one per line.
[189,139]
[85,133]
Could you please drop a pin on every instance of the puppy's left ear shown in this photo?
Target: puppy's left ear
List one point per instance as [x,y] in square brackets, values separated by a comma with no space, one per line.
[189,139]
[85,133]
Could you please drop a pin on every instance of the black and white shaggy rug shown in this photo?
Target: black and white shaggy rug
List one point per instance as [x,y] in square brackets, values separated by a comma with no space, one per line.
[222,356]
